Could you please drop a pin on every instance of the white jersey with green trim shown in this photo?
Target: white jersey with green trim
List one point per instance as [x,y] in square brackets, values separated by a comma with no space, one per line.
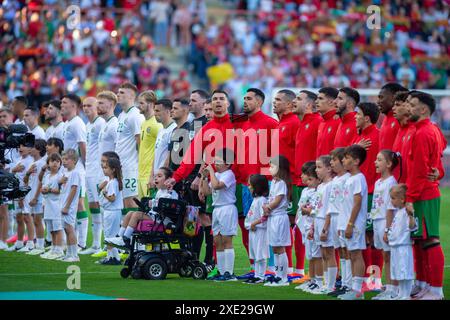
[93,167]
[108,135]
[129,126]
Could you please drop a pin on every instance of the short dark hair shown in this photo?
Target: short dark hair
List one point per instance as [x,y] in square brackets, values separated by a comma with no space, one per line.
[208,101]
[356,151]
[34,110]
[183,102]
[22,99]
[56,142]
[330,92]
[290,95]
[311,95]
[202,93]
[73,97]
[45,104]
[371,110]
[257,93]
[393,87]
[425,98]
[260,185]
[352,93]
[221,91]
[309,168]
[55,103]
[338,153]
[40,144]
[401,96]
[166,103]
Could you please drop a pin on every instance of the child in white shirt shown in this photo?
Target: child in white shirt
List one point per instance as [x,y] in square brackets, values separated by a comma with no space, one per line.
[399,237]
[70,193]
[381,213]
[110,199]
[52,206]
[256,223]
[305,222]
[355,213]
[335,209]
[20,169]
[33,200]
[322,225]
[278,226]
[222,186]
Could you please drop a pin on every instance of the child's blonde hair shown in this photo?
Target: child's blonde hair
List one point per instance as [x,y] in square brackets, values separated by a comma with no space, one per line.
[71,154]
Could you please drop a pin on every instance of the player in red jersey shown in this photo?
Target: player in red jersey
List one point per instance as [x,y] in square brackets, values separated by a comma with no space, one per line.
[327,129]
[305,150]
[346,102]
[366,118]
[402,142]
[423,195]
[259,129]
[287,131]
[390,126]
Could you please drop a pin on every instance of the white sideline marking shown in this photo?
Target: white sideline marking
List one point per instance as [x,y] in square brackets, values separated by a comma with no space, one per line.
[50,273]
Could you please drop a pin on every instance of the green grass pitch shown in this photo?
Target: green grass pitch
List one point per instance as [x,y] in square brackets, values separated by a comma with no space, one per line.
[20,272]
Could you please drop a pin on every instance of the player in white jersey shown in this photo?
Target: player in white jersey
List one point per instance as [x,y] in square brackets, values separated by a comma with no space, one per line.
[106,102]
[33,200]
[94,174]
[162,115]
[53,116]
[128,140]
[74,137]
[31,119]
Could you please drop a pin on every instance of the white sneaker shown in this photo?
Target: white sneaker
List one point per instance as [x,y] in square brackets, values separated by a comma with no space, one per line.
[55,256]
[46,254]
[421,293]
[116,241]
[3,245]
[389,295]
[352,295]
[320,290]
[279,283]
[36,251]
[26,249]
[431,296]
[70,259]
[14,247]
[90,250]
[303,286]
[401,298]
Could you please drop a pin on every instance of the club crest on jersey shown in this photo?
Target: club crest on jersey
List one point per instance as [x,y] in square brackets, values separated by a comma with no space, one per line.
[176,146]
[148,130]
[191,134]
[347,131]
[282,129]
[307,126]
[329,129]
[392,124]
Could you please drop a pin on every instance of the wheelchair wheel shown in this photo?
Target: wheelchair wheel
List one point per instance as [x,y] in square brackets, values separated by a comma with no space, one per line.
[200,272]
[124,273]
[155,269]
[136,274]
[186,270]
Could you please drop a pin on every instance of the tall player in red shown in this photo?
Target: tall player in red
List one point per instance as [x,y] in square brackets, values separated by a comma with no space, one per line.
[346,102]
[327,129]
[305,150]
[287,131]
[258,127]
[423,195]
[366,118]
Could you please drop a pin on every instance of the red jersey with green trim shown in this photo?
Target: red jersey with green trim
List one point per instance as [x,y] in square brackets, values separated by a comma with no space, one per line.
[427,148]
[327,133]
[306,143]
[346,131]
[288,126]
[368,167]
